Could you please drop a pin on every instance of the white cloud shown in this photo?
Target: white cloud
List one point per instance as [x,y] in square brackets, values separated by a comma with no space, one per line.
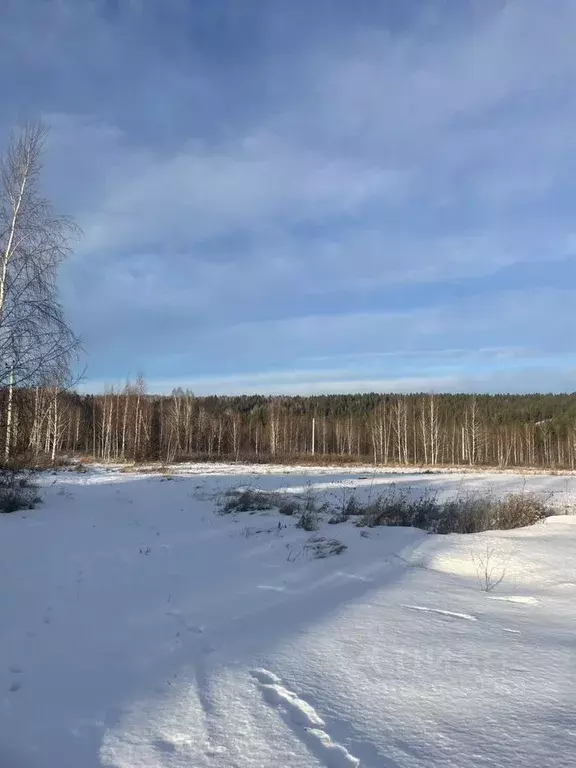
[402,351]
[399,127]
[253,184]
[264,233]
[298,383]
[528,378]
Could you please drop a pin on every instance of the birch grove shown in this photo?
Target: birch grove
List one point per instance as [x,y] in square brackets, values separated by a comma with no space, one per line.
[127,424]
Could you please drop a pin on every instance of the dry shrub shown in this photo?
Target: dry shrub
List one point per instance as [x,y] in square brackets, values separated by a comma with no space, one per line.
[521,509]
[289,507]
[248,500]
[308,520]
[318,547]
[17,491]
[470,513]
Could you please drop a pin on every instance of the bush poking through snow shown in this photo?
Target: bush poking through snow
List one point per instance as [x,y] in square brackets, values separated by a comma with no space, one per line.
[521,509]
[256,500]
[470,513]
[490,568]
[349,507]
[395,507]
[293,555]
[352,507]
[476,513]
[289,507]
[318,547]
[465,513]
[337,519]
[17,491]
[309,520]
[248,500]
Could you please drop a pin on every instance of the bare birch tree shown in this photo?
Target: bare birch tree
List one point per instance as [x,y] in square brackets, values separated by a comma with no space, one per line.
[36,343]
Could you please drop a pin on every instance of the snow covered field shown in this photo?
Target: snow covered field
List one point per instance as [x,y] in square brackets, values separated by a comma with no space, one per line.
[138,628]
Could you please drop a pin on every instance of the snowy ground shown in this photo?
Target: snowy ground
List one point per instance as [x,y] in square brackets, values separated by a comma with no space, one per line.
[139,629]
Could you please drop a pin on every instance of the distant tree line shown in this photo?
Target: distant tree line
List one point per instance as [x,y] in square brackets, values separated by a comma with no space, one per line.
[384,429]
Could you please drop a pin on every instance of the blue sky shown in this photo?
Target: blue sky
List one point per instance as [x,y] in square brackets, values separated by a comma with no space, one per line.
[310,197]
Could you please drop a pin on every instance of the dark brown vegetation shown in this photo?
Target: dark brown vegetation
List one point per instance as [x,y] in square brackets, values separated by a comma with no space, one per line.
[414,430]
[464,513]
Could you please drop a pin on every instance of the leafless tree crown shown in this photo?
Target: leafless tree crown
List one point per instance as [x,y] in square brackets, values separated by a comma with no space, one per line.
[36,343]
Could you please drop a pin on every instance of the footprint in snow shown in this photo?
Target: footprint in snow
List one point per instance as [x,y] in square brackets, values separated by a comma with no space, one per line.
[164,745]
[301,715]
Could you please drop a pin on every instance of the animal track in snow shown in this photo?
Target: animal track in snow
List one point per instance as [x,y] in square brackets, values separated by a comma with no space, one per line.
[276,694]
[453,614]
[300,714]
